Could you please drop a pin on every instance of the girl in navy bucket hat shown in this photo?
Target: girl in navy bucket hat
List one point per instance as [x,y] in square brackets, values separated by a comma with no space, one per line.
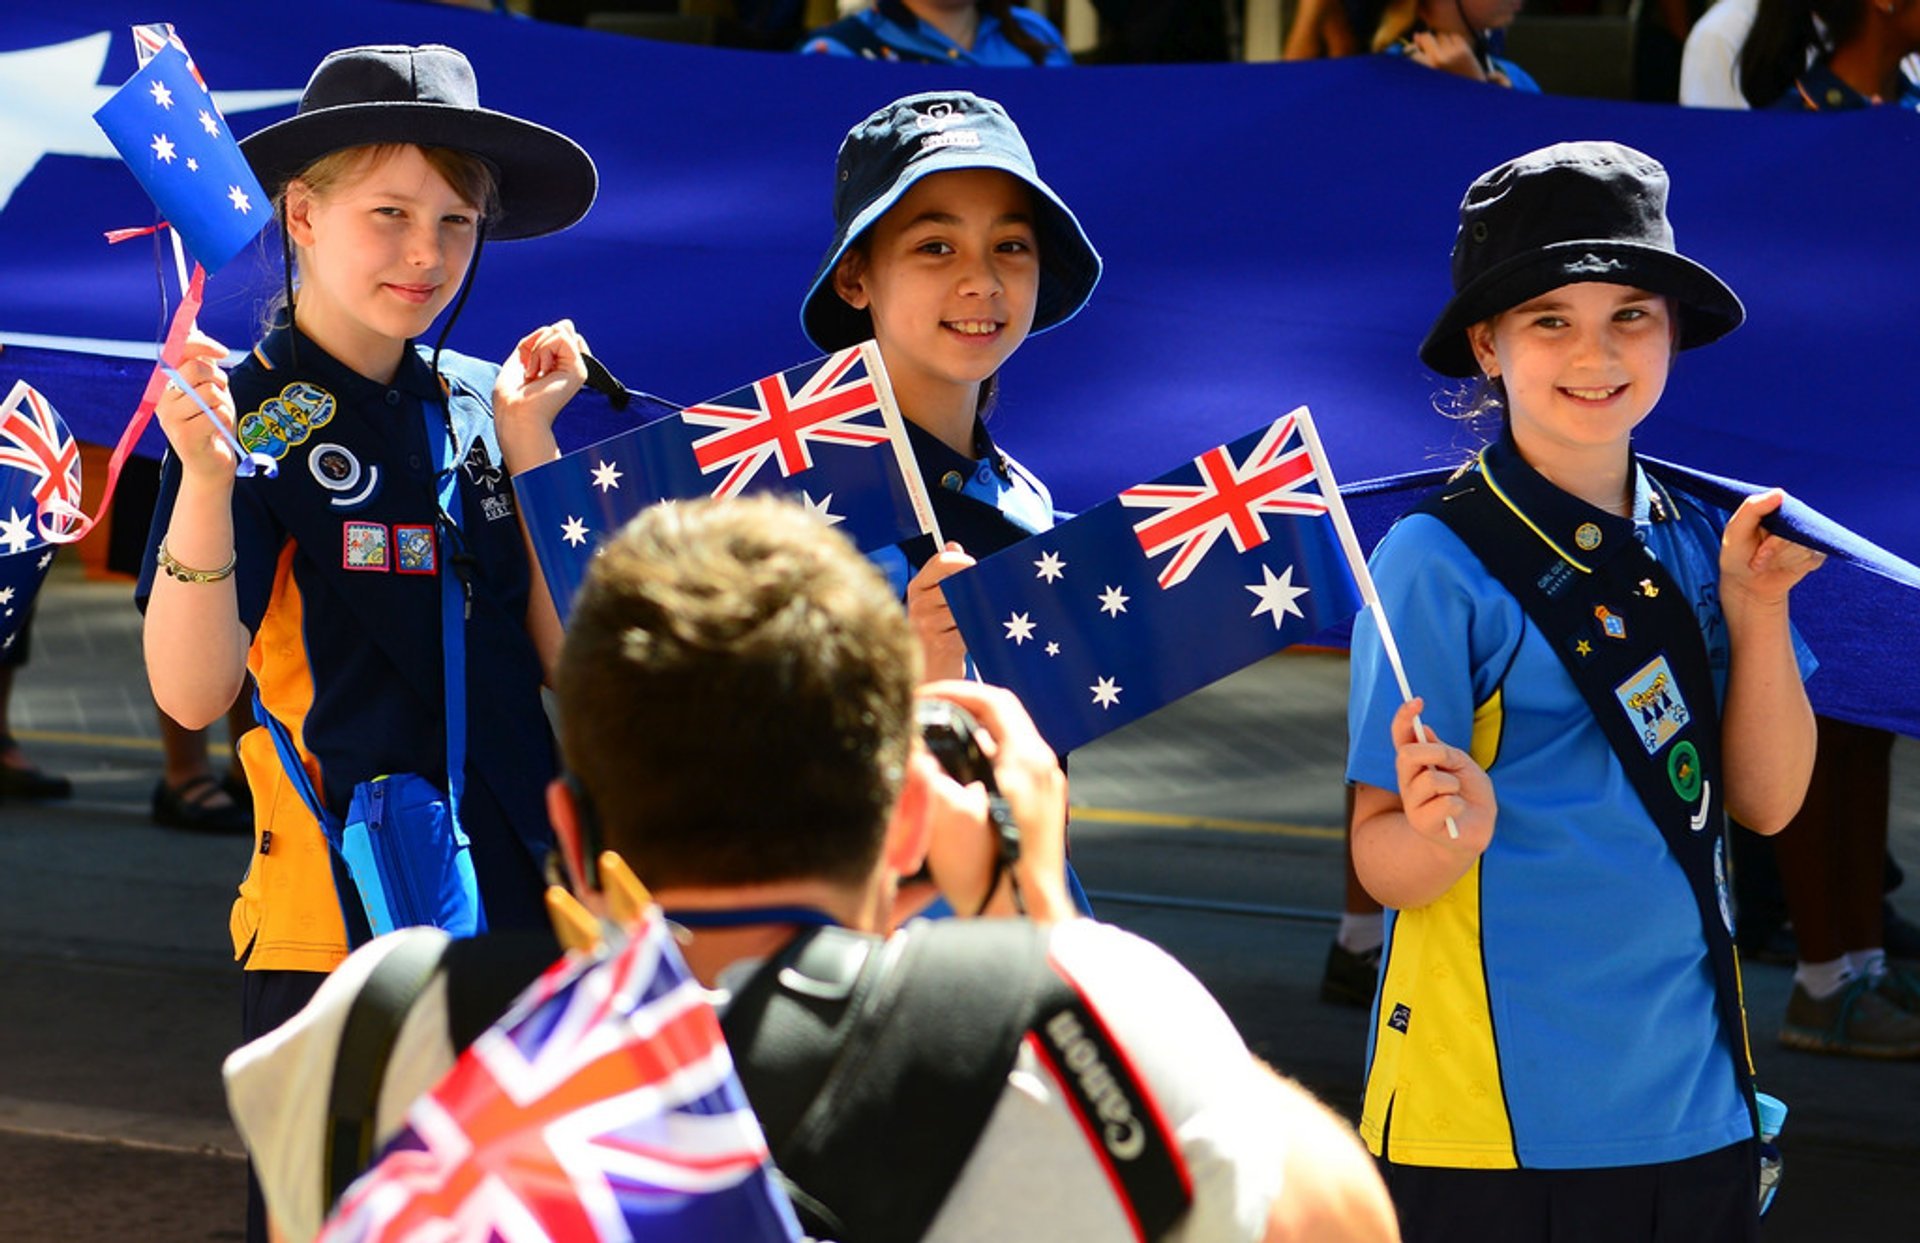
[1607,668]
[388,542]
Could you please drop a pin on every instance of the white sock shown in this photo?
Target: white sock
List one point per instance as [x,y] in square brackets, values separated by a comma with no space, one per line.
[1823,979]
[1361,933]
[1870,963]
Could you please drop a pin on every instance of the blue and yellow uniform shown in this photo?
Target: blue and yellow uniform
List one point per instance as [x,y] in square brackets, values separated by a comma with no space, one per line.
[985,503]
[890,31]
[1820,89]
[1573,952]
[337,575]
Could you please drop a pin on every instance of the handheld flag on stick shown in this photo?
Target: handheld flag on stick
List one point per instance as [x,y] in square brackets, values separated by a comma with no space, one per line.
[603,1106]
[826,433]
[39,500]
[1112,615]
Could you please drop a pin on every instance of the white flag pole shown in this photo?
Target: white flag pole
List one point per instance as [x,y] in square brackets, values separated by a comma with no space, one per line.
[1357,562]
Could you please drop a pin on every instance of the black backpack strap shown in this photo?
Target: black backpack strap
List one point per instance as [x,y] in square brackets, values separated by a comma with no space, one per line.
[485,974]
[366,1045]
[874,1087]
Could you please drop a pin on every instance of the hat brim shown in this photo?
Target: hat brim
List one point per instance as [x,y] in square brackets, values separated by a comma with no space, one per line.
[1069,265]
[546,180]
[1708,309]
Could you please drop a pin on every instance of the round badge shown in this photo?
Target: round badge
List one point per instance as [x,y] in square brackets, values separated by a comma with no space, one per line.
[953,481]
[1683,770]
[1587,537]
[334,468]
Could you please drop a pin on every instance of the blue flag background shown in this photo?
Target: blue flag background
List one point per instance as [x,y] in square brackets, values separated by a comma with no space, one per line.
[1268,230]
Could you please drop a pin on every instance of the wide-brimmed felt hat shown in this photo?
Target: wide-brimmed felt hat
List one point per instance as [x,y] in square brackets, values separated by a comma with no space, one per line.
[426,96]
[887,154]
[1572,212]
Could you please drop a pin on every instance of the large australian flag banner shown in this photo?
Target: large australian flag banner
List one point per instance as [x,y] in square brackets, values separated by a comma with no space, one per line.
[1169,586]
[827,434]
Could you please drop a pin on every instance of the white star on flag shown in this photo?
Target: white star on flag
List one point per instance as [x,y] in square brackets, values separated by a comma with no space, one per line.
[45,561]
[1113,601]
[1019,628]
[1050,565]
[193,165]
[6,595]
[822,508]
[1053,649]
[574,531]
[606,476]
[8,645]
[208,124]
[16,532]
[1277,596]
[1105,693]
[163,149]
[162,96]
[239,199]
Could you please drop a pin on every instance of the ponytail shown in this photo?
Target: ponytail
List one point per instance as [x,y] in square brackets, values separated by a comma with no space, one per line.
[1017,34]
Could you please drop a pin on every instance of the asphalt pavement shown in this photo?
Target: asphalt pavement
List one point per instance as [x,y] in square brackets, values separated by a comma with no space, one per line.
[1211,827]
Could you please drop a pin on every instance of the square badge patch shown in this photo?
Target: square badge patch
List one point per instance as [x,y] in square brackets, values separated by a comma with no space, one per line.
[1652,702]
[364,546]
[413,549]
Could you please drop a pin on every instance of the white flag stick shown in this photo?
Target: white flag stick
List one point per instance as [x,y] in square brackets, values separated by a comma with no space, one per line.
[1350,545]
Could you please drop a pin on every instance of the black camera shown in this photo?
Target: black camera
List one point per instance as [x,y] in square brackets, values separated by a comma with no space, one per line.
[953,736]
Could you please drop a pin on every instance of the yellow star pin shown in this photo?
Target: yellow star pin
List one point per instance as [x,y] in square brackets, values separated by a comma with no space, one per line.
[1583,647]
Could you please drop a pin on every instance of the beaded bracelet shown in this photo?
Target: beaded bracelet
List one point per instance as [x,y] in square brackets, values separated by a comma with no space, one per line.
[187,574]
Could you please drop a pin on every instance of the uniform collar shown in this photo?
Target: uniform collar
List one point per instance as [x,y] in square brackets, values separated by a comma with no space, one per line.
[936,459]
[414,377]
[900,15]
[1580,534]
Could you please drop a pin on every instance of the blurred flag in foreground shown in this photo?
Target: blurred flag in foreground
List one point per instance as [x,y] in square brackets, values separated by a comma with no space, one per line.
[1169,586]
[826,433]
[603,1106]
[39,499]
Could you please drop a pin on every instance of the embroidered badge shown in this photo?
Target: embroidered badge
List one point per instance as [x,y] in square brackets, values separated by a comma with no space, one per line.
[335,468]
[287,420]
[480,468]
[1586,537]
[1555,578]
[947,128]
[1683,770]
[1648,589]
[365,546]
[1611,623]
[1652,701]
[413,549]
[1400,1017]
[1582,647]
[1591,264]
[494,508]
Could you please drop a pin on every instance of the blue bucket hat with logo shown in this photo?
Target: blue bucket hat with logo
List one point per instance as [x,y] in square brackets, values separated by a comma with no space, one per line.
[1562,215]
[888,153]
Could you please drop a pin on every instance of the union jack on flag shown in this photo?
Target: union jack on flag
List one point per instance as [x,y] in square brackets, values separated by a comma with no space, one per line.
[602,1107]
[35,440]
[830,424]
[837,404]
[1275,478]
[39,500]
[148,40]
[1078,622]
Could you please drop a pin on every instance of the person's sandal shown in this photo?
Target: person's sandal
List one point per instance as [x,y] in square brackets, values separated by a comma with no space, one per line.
[26,781]
[189,805]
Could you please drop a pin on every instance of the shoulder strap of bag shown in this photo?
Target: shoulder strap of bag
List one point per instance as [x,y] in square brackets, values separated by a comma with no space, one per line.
[873,1087]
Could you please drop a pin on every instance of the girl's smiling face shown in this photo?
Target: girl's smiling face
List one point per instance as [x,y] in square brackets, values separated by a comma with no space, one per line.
[382,252]
[950,275]
[1582,365]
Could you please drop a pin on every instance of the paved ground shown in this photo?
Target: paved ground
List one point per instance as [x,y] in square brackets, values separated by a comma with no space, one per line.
[1211,828]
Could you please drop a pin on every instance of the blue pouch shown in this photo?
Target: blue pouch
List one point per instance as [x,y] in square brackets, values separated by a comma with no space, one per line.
[409,858]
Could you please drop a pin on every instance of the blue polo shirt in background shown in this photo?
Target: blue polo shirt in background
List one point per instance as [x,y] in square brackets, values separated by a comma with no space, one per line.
[337,578]
[1560,1007]
[890,31]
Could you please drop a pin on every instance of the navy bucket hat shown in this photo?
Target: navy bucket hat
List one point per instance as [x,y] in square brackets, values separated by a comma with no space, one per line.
[427,96]
[888,153]
[1572,212]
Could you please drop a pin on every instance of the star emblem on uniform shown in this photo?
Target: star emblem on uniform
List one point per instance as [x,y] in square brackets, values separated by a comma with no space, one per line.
[1113,601]
[1105,692]
[238,198]
[1050,566]
[1019,627]
[822,508]
[574,531]
[163,149]
[1584,648]
[16,532]
[606,476]
[1277,595]
[1053,649]
[208,124]
[162,96]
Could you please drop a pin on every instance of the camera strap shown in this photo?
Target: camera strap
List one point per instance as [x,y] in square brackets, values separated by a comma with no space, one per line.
[874,1087]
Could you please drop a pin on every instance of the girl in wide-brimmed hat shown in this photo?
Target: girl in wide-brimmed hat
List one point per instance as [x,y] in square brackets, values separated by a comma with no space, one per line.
[1607,670]
[389,536]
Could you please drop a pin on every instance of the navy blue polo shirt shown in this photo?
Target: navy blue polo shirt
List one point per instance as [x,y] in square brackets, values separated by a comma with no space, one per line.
[985,503]
[890,31]
[338,574]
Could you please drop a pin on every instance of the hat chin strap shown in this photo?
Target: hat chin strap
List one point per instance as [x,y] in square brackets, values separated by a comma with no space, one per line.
[1478,37]
[460,299]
